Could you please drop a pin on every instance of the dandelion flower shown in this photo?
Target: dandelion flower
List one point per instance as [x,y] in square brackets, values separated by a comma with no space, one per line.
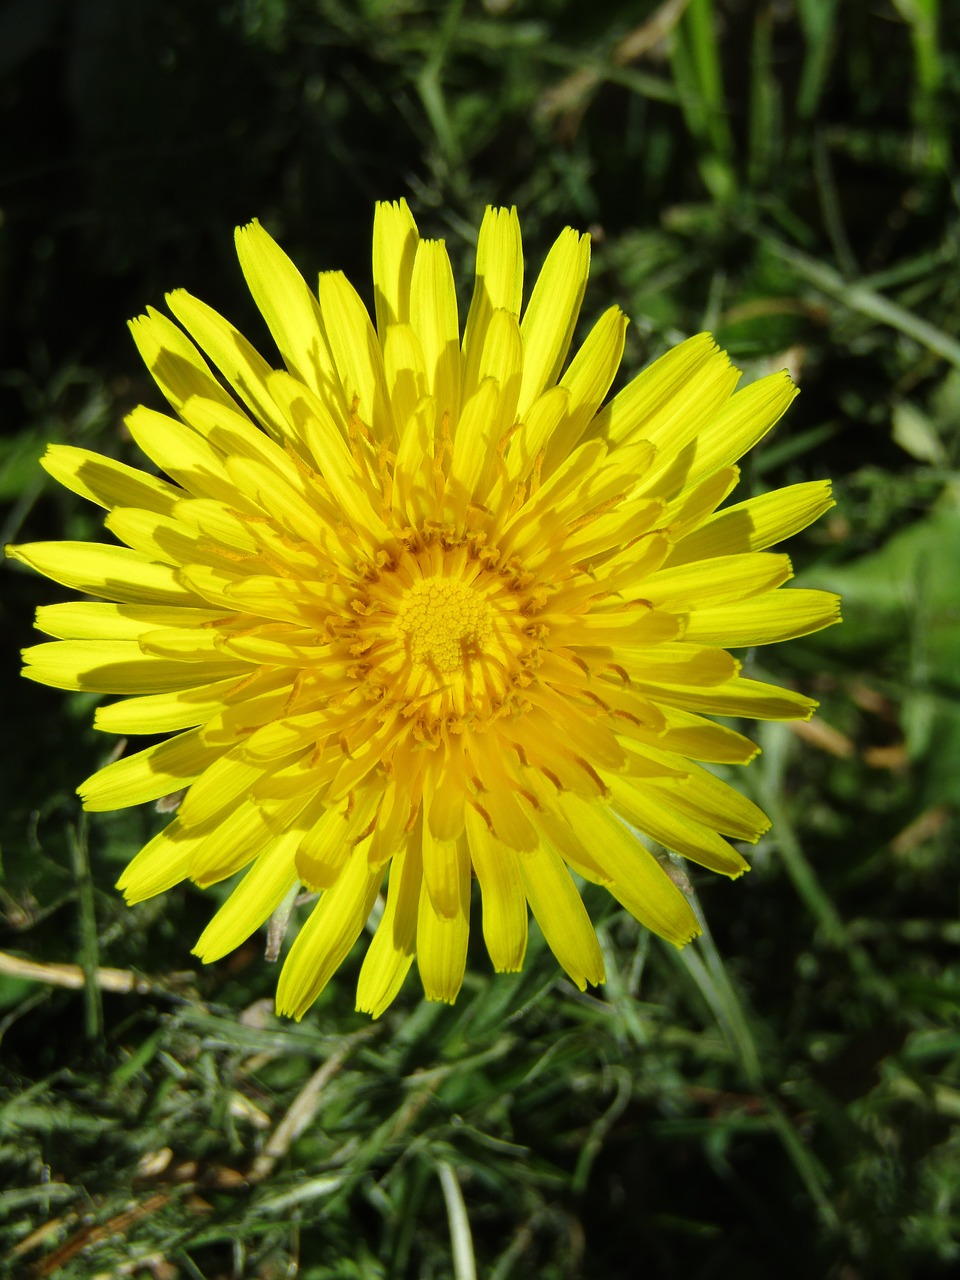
[419,608]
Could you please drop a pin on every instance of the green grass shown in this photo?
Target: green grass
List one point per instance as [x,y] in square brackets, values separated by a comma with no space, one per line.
[781,1097]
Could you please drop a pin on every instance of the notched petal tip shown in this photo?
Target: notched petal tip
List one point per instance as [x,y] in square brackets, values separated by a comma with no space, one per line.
[248,228]
[394,206]
[373,1011]
[685,942]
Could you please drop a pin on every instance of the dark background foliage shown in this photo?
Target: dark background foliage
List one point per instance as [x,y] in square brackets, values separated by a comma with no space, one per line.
[778,1099]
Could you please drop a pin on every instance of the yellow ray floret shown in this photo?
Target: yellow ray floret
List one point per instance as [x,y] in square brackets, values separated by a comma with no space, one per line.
[421,609]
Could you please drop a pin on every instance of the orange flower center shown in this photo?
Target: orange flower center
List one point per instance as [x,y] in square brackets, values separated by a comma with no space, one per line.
[446,631]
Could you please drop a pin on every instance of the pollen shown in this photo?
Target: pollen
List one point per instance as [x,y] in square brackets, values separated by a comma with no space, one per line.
[440,633]
[444,624]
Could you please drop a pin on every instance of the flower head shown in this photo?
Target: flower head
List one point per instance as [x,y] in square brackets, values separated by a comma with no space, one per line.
[418,609]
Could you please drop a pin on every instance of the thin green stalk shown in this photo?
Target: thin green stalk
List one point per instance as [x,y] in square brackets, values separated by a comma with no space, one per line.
[705,965]
[701,24]
[695,62]
[430,84]
[461,1241]
[764,126]
[867,302]
[830,206]
[932,138]
[88,956]
[819,31]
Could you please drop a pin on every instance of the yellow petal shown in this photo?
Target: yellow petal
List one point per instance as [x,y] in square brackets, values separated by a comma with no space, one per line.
[244,368]
[744,419]
[291,782]
[706,583]
[405,370]
[183,454]
[757,523]
[228,778]
[253,901]
[640,557]
[780,615]
[682,663]
[412,492]
[499,271]
[262,701]
[530,441]
[158,771]
[588,379]
[233,434]
[96,620]
[498,285]
[261,484]
[216,523]
[291,311]
[501,355]
[442,939]
[669,402]
[503,898]
[162,863]
[708,799]
[510,819]
[323,851]
[392,818]
[107,482]
[395,240]
[357,353]
[593,735]
[115,573]
[162,538]
[740,697]
[334,459]
[120,666]
[630,527]
[445,793]
[697,502]
[532,522]
[280,738]
[561,915]
[621,629]
[186,644]
[699,739]
[391,952]
[442,873]
[551,314]
[212,585]
[295,600]
[163,712]
[474,448]
[536,738]
[328,935]
[433,318]
[636,879]
[225,846]
[277,643]
[644,807]
[178,368]
[501,358]
[330,838]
